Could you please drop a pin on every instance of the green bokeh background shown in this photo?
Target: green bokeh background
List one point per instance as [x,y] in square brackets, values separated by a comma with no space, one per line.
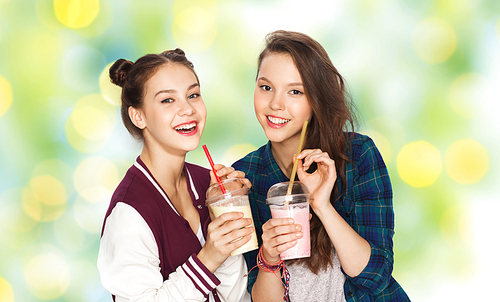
[424,75]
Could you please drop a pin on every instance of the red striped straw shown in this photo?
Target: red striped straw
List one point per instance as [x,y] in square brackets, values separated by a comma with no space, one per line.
[213,169]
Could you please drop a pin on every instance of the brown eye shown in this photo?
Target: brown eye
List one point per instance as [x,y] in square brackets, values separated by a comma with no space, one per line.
[265,87]
[194,95]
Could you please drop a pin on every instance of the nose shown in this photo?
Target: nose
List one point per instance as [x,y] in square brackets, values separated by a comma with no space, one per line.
[277,102]
[186,108]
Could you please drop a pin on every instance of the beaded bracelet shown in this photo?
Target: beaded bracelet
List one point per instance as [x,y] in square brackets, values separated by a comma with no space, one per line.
[272,268]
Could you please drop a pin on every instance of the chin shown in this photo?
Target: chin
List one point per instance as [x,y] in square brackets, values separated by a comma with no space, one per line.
[187,146]
[193,146]
[275,137]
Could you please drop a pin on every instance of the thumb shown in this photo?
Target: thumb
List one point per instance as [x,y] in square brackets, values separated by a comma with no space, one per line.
[301,173]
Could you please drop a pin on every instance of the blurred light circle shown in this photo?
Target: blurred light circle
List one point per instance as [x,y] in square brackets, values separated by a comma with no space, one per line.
[80,143]
[45,198]
[47,276]
[58,169]
[194,27]
[13,217]
[469,93]
[434,41]
[5,95]
[76,13]
[6,292]
[80,66]
[110,91]
[467,161]
[69,234]
[419,164]
[32,205]
[90,215]
[48,190]
[85,285]
[96,178]
[90,123]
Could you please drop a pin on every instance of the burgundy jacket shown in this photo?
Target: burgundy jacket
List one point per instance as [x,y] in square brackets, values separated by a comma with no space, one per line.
[174,237]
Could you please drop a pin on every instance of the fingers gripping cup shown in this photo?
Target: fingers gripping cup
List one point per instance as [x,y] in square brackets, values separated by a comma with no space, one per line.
[296,206]
[234,200]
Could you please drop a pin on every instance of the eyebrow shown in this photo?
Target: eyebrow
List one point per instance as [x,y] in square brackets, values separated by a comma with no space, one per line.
[173,90]
[291,84]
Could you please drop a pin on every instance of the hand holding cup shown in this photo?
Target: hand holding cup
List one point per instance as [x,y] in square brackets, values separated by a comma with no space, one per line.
[226,233]
[279,235]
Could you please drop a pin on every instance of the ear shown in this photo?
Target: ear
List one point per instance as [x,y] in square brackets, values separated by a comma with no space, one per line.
[136,116]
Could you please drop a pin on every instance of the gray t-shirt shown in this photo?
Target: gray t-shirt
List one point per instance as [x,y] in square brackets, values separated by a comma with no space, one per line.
[326,286]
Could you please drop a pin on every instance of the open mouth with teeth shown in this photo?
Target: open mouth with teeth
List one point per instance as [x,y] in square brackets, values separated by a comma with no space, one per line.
[188,128]
[277,121]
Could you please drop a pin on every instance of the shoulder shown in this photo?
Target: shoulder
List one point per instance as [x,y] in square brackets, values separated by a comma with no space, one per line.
[138,191]
[362,147]
[128,186]
[132,191]
[252,161]
[360,141]
[125,218]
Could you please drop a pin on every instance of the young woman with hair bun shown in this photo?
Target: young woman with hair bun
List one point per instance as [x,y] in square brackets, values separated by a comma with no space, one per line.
[158,242]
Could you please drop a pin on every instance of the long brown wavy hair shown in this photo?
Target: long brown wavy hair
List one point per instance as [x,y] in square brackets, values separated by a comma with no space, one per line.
[332,124]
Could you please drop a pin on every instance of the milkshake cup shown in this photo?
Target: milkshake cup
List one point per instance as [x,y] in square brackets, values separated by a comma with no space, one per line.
[234,200]
[296,206]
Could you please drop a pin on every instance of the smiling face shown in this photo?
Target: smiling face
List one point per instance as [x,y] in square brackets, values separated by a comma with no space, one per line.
[173,115]
[280,103]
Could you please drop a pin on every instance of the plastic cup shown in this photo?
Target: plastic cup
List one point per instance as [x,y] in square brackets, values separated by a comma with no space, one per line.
[296,206]
[235,200]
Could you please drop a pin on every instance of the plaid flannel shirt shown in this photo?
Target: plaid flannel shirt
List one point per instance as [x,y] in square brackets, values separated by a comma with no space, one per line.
[366,206]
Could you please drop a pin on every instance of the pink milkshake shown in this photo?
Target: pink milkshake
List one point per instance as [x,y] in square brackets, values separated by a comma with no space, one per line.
[296,206]
[299,213]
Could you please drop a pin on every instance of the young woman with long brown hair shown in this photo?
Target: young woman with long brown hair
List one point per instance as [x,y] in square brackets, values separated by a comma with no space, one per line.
[352,219]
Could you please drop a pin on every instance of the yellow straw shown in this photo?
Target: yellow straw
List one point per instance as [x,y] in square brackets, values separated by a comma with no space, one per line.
[296,162]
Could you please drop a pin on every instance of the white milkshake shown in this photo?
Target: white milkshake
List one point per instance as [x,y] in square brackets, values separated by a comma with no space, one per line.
[247,213]
[235,200]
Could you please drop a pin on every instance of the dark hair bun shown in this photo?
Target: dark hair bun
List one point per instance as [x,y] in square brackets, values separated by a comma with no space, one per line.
[119,70]
[179,51]
[169,53]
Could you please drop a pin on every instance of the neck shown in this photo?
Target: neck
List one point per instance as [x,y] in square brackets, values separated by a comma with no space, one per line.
[167,169]
[283,154]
